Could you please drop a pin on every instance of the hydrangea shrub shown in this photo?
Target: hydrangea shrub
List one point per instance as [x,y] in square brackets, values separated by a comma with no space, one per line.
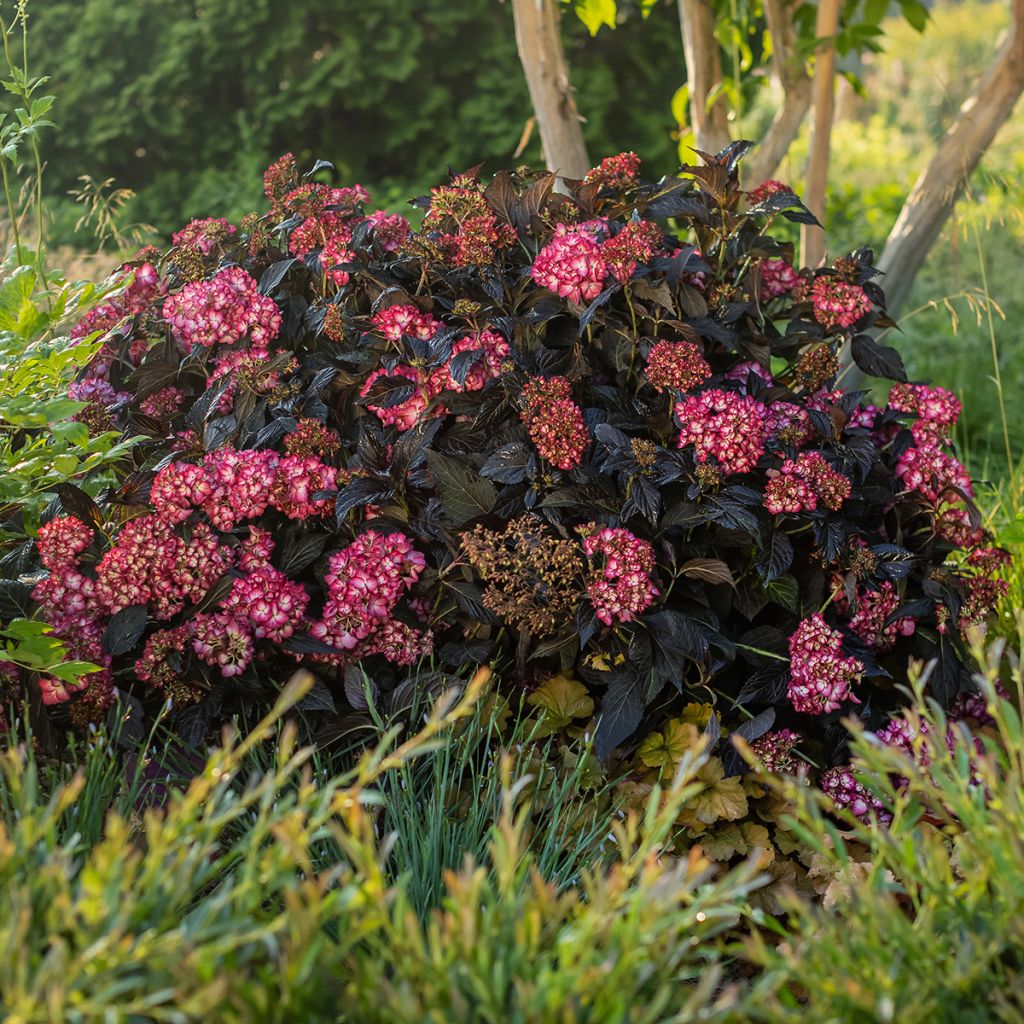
[600,432]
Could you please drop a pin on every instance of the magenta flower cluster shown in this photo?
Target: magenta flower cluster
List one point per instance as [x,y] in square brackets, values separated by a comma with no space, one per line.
[803,482]
[838,303]
[676,366]
[555,422]
[821,676]
[841,786]
[364,583]
[222,311]
[572,264]
[723,426]
[620,585]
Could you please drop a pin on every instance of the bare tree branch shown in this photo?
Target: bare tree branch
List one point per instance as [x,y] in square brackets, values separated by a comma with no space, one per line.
[941,183]
[703,74]
[812,238]
[547,76]
[796,88]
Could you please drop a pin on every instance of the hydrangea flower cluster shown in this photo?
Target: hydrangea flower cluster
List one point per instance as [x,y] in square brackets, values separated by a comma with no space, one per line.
[273,604]
[404,415]
[331,215]
[205,233]
[461,227]
[141,286]
[390,229]
[555,422]
[766,190]
[803,482]
[572,264]
[395,322]
[931,471]
[725,426]
[364,582]
[61,541]
[636,243]
[777,278]
[676,366]
[821,676]
[617,172]
[163,405]
[937,409]
[774,751]
[869,618]
[620,586]
[222,311]
[840,785]
[838,303]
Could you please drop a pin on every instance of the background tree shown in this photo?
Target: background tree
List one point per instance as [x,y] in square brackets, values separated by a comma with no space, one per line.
[539,42]
[789,40]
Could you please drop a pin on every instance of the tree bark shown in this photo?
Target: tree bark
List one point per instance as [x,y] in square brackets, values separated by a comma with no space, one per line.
[547,76]
[812,238]
[703,73]
[796,89]
[941,183]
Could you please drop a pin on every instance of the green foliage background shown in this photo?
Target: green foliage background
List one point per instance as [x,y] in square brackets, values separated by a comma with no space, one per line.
[186,102]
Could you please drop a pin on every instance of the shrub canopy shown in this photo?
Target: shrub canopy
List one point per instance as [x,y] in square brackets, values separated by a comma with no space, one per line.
[599,432]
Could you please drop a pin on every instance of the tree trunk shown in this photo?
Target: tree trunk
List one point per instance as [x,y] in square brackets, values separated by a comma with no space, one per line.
[941,183]
[703,73]
[812,238]
[796,88]
[547,76]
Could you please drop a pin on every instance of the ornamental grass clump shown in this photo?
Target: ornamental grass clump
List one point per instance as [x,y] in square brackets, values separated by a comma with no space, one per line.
[599,432]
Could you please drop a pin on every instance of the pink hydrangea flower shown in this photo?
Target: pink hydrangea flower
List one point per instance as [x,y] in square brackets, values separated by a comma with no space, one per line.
[821,676]
[801,483]
[777,277]
[364,582]
[223,642]
[676,366]
[298,481]
[204,233]
[868,617]
[156,666]
[221,311]
[396,321]
[272,605]
[493,349]
[927,469]
[400,643]
[837,303]
[571,264]
[724,426]
[390,229]
[617,171]
[162,405]
[767,188]
[620,585]
[406,414]
[840,785]
[61,542]
[636,243]
[555,422]
[937,409]
[774,751]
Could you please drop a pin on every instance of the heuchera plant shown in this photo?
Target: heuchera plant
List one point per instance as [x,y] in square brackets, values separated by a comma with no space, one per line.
[601,432]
